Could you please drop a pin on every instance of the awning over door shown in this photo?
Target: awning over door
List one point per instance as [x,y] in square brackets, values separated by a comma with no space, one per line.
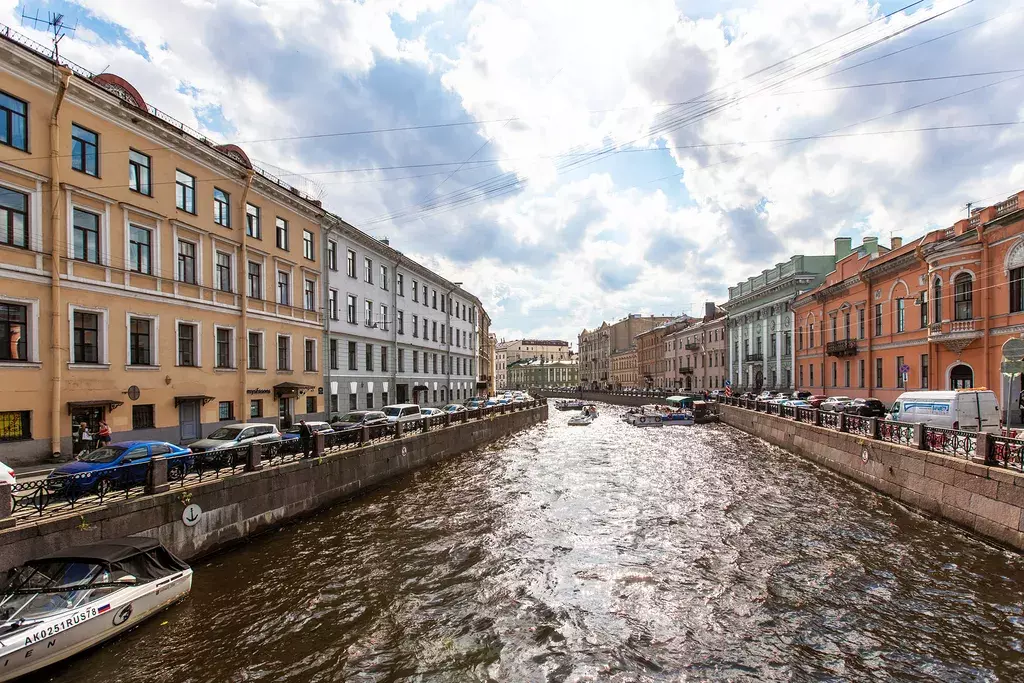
[288,389]
[420,387]
[178,400]
[99,403]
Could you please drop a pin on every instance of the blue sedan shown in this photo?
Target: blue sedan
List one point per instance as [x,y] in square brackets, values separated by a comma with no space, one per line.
[119,465]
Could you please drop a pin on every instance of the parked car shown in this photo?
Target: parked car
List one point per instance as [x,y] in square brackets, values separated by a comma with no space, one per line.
[357,419]
[290,437]
[454,408]
[402,412]
[801,395]
[834,403]
[796,403]
[866,407]
[233,436]
[430,412]
[975,410]
[7,475]
[117,465]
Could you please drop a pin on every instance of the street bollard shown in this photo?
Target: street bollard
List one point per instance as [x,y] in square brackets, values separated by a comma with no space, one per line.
[364,435]
[816,417]
[399,429]
[447,419]
[842,422]
[873,428]
[318,445]
[156,475]
[254,458]
[6,506]
[917,437]
[983,447]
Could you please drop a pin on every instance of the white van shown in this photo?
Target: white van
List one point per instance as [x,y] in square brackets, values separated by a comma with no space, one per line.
[972,410]
[402,412]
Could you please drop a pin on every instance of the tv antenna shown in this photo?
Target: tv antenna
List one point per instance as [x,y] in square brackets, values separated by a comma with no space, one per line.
[54,24]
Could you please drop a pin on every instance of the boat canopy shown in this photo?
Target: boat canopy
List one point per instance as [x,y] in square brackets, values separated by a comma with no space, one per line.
[139,556]
[680,401]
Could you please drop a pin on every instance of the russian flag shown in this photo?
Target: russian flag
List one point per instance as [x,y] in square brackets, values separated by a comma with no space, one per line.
[103,609]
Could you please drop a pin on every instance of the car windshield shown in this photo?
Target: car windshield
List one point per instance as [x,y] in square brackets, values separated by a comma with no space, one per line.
[226,434]
[351,417]
[392,411]
[19,599]
[293,430]
[106,454]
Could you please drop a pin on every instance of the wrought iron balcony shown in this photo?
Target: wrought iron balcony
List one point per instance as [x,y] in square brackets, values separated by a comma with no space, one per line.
[841,347]
[686,370]
[693,346]
[754,357]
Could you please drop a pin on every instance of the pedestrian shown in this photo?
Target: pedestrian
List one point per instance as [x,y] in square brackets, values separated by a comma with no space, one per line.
[84,437]
[104,435]
[286,421]
[305,438]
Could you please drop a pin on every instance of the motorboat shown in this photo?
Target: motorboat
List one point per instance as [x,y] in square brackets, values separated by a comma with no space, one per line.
[704,413]
[646,420]
[581,420]
[678,418]
[58,605]
[569,404]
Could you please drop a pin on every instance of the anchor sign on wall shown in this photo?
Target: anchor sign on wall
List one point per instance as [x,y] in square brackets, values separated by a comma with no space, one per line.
[190,516]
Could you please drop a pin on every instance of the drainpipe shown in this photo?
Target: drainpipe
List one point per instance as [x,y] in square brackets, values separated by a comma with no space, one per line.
[55,261]
[243,290]
[448,342]
[325,345]
[394,326]
[986,268]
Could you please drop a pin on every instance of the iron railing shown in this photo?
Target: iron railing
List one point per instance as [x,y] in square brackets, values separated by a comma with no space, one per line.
[951,441]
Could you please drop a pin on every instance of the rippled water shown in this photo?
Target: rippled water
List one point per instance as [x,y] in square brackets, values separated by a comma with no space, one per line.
[601,553]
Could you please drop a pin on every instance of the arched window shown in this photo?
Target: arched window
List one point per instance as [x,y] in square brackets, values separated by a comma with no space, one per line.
[937,298]
[963,295]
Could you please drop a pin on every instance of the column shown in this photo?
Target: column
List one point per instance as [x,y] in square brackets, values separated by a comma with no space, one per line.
[738,379]
[764,342]
[778,348]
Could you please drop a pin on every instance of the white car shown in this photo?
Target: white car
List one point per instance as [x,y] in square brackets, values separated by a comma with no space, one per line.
[233,436]
[7,475]
[402,412]
[431,412]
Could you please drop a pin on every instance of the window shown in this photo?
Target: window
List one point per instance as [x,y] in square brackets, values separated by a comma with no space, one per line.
[15,425]
[138,172]
[383,398]
[415,361]
[222,271]
[937,299]
[140,341]
[13,332]
[221,207]
[415,325]
[963,295]
[878,320]
[415,291]
[351,309]
[86,337]
[801,375]
[13,216]
[310,355]
[226,410]
[252,222]
[13,122]
[834,382]
[368,357]
[368,314]
[383,359]
[255,280]
[187,345]
[140,250]
[1016,289]
[847,373]
[878,373]
[433,328]
[223,348]
[401,360]
[368,270]
[350,264]
[901,377]
[811,369]
[442,304]
[332,255]
[351,401]
[369,400]
[142,417]
[282,234]
[433,362]
[310,295]
[86,236]
[860,373]
[185,191]
[924,370]
[332,303]
[400,284]
[256,407]
[384,278]
[384,317]
[425,295]
[255,351]
[351,355]
[186,262]
[284,352]
[401,321]
[84,150]
[846,325]
[900,315]
[334,354]
[923,305]
[310,404]
[283,288]
[434,298]
[307,245]
[810,337]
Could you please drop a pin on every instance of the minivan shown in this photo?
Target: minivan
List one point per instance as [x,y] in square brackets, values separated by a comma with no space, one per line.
[972,410]
[402,412]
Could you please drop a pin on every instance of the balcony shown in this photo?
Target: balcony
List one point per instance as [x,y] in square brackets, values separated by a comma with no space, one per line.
[693,346]
[754,357]
[841,347]
[955,335]
[686,370]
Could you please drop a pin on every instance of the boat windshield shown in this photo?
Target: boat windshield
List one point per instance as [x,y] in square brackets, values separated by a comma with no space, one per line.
[106,454]
[35,592]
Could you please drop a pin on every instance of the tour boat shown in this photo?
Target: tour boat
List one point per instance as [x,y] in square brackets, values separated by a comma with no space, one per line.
[684,419]
[646,420]
[58,605]
[567,404]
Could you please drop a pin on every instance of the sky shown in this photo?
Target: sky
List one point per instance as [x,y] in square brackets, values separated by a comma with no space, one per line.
[574,161]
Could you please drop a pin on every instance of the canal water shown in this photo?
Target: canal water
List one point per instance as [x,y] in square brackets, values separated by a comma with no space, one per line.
[601,553]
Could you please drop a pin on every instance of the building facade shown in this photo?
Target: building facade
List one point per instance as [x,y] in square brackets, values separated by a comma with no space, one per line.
[597,346]
[508,352]
[485,381]
[931,314]
[528,373]
[398,332]
[696,352]
[625,373]
[760,322]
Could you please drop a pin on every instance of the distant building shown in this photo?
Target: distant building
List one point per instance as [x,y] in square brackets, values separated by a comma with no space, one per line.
[624,374]
[507,352]
[652,361]
[696,358]
[536,372]
[597,346]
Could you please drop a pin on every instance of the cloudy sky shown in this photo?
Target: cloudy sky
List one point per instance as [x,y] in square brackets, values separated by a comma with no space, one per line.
[575,160]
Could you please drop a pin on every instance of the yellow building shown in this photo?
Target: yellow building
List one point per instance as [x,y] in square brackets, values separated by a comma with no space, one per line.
[625,373]
[147,276]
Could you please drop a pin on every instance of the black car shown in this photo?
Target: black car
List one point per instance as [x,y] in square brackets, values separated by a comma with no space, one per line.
[865,407]
[357,419]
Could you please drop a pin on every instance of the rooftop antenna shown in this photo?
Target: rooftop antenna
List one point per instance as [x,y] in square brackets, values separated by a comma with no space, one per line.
[969,205]
[54,24]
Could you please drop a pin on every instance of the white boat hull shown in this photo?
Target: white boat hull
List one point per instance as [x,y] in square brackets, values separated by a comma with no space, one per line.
[646,421]
[69,632]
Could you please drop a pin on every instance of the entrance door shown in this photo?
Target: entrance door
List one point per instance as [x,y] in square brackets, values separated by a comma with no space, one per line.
[403,393]
[284,412]
[188,419]
[91,417]
[961,377]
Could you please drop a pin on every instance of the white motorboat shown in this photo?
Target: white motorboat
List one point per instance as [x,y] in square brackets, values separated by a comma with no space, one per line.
[58,605]
[646,420]
[580,420]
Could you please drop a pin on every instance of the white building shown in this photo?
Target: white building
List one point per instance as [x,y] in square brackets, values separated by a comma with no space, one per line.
[397,332]
[507,352]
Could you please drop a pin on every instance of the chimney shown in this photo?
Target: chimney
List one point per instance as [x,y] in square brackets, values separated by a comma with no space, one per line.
[870,245]
[709,310]
[844,247]
[385,241]
[897,242]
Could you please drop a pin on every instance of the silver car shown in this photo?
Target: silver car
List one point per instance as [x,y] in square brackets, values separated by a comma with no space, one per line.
[233,436]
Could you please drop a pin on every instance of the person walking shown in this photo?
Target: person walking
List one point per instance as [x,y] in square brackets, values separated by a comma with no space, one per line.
[305,438]
[84,438]
[104,436]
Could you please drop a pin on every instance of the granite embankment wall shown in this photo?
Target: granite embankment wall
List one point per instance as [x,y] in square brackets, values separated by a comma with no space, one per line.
[982,499]
[245,504]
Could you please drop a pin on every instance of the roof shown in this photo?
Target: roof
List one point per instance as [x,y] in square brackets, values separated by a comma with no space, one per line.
[105,552]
